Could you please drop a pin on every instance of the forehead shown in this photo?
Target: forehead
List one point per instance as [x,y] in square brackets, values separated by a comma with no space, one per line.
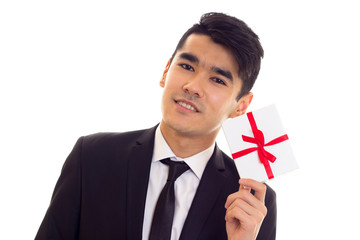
[209,53]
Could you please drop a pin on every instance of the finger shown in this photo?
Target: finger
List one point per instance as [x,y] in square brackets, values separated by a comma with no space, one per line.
[259,188]
[245,195]
[238,214]
[244,187]
[232,197]
[257,213]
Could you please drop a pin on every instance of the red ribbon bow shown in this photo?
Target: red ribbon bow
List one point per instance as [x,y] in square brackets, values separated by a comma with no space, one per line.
[258,139]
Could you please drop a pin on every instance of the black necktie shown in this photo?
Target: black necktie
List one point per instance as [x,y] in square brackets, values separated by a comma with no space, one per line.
[165,207]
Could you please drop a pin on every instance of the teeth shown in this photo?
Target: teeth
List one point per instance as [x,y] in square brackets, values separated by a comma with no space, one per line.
[187,106]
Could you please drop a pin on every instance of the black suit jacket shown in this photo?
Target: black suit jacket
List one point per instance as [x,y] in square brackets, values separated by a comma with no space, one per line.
[102,188]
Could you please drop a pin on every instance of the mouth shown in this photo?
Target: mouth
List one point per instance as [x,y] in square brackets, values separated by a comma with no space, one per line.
[187,105]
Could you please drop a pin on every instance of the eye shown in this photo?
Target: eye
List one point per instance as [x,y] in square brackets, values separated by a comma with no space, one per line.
[219,81]
[187,67]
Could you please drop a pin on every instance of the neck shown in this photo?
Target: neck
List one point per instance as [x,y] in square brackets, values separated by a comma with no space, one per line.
[186,144]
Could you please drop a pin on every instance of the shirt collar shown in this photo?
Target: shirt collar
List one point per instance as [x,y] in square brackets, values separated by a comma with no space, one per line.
[197,162]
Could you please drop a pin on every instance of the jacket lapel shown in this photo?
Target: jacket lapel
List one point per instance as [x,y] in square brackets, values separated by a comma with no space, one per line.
[208,191]
[138,177]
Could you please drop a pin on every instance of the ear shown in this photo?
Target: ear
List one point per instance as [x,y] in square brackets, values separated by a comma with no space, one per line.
[163,78]
[242,105]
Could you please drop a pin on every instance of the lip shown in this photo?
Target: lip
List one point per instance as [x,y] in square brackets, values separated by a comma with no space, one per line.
[188,103]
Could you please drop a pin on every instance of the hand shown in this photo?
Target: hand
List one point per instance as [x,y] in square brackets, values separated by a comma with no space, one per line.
[245,212]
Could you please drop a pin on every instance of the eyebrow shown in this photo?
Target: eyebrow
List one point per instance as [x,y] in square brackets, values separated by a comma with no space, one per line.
[192,58]
[223,72]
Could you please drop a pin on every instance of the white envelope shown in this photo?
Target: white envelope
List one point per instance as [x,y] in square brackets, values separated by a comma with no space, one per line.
[249,165]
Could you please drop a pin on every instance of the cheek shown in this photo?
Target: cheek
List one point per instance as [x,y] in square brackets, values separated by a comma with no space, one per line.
[222,104]
[171,81]
[218,102]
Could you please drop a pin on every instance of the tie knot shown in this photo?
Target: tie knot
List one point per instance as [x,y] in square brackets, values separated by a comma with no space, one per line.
[175,168]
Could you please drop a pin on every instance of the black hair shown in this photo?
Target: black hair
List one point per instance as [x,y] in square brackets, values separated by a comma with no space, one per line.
[235,35]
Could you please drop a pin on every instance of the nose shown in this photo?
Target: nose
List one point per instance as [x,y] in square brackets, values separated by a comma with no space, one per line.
[194,86]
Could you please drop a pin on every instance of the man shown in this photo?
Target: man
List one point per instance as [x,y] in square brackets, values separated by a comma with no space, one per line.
[110,183]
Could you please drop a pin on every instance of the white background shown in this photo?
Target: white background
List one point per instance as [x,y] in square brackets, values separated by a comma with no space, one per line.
[71,68]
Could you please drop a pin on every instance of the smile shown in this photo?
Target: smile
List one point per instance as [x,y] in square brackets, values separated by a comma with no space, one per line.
[187,106]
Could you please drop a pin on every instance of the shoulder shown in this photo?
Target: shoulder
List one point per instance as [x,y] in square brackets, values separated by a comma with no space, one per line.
[111,142]
[115,138]
[107,137]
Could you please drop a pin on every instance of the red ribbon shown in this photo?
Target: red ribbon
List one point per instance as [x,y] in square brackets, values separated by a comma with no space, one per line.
[258,139]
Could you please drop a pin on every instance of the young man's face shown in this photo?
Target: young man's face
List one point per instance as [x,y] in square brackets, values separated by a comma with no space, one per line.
[200,88]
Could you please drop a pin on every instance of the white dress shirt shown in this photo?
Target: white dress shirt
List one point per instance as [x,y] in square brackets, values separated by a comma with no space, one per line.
[185,186]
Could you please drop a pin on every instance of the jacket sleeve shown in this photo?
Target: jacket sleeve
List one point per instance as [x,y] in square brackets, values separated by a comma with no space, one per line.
[268,227]
[61,220]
